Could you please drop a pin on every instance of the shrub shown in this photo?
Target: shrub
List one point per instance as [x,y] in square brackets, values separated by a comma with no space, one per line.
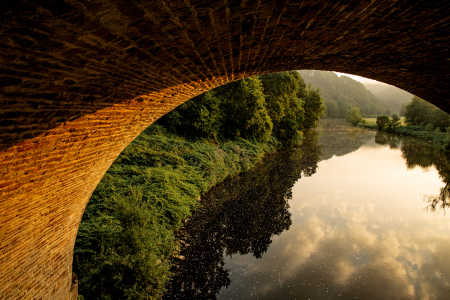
[382,121]
[429,127]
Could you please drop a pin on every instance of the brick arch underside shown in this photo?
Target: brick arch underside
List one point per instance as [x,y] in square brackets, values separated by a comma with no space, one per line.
[79,80]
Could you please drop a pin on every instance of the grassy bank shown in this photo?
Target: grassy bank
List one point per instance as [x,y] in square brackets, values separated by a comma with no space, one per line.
[126,238]
[413,131]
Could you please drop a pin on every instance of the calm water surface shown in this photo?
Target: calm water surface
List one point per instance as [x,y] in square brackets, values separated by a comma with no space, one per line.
[347,216]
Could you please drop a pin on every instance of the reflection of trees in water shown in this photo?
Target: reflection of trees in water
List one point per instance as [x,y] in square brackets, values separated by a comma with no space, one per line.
[386,139]
[338,138]
[418,153]
[439,202]
[239,216]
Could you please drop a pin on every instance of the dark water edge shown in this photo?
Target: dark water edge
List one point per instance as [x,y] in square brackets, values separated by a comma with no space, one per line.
[242,216]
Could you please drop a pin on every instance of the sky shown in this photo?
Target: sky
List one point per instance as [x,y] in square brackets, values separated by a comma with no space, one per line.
[360,79]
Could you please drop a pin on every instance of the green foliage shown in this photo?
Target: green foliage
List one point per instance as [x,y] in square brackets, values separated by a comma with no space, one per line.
[126,238]
[340,94]
[420,112]
[244,110]
[280,90]
[285,107]
[403,108]
[429,127]
[394,122]
[353,116]
[387,112]
[199,117]
[239,216]
[314,109]
[263,107]
[391,95]
[438,138]
[382,121]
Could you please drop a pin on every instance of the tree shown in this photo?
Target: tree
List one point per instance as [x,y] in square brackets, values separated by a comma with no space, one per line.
[387,112]
[394,122]
[198,117]
[417,112]
[403,109]
[353,116]
[284,106]
[345,92]
[332,109]
[382,121]
[244,108]
[314,109]
[420,112]
[280,89]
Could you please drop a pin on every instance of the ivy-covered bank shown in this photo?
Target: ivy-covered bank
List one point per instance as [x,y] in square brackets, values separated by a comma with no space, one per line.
[126,239]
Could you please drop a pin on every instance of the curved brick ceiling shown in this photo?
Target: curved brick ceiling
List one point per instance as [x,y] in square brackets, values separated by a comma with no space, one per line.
[79,80]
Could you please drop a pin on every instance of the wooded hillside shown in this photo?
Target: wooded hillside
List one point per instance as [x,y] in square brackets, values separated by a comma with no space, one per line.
[340,94]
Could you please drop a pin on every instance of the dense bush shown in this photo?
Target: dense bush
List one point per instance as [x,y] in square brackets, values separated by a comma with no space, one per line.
[382,121]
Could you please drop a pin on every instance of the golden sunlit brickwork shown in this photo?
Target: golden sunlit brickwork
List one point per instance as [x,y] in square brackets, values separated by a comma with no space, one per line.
[79,80]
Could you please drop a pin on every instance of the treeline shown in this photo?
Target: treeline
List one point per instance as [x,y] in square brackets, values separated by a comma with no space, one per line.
[342,93]
[126,239]
[423,120]
[275,105]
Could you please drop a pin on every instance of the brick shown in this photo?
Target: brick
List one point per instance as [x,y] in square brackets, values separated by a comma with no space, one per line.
[76,90]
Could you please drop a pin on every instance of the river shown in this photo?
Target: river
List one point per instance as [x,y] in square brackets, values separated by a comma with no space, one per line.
[352,214]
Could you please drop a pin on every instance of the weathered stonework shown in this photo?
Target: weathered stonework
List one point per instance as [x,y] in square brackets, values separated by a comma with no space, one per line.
[80,79]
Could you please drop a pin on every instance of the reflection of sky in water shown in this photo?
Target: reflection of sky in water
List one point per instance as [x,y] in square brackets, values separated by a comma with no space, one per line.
[359,231]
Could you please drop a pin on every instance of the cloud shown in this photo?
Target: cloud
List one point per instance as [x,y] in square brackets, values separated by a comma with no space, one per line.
[344,245]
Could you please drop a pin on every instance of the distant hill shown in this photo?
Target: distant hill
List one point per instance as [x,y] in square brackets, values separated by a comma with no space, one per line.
[391,95]
[342,93]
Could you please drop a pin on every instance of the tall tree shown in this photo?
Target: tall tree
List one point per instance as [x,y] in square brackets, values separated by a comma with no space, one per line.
[244,110]
[314,109]
[285,108]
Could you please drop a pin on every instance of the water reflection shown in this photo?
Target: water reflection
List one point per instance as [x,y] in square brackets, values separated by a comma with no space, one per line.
[239,216]
[354,230]
[418,153]
[337,138]
[439,202]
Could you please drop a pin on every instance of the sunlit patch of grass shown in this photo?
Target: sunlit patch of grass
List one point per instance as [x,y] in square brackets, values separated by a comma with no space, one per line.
[373,121]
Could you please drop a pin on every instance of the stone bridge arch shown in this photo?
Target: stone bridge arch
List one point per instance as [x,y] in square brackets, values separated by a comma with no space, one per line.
[79,80]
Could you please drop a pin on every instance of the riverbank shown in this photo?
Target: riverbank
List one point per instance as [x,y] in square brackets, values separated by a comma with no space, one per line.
[126,239]
[413,131]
